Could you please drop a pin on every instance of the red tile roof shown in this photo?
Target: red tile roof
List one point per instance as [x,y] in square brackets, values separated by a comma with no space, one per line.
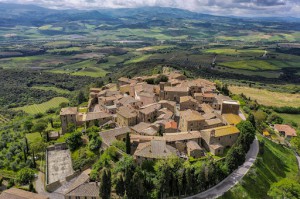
[170,125]
[288,130]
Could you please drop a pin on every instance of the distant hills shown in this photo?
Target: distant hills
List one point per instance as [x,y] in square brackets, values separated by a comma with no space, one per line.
[20,14]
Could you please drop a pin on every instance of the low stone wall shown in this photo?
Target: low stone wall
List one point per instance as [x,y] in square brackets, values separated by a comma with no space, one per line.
[61,146]
[53,186]
[75,174]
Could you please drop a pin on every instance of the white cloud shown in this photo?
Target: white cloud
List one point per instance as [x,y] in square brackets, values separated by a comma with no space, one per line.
[218,7]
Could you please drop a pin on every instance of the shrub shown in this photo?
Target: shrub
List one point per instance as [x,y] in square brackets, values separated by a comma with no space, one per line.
[74,141]
[25,176]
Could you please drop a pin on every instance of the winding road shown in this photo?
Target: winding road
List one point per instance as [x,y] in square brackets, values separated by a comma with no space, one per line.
[233,178]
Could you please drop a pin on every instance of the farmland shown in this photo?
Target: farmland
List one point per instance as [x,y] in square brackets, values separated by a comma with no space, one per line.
[43,107]
[51,88]
[268,98]
[250,65]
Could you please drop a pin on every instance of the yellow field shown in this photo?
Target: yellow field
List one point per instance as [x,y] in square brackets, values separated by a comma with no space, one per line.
[268,98]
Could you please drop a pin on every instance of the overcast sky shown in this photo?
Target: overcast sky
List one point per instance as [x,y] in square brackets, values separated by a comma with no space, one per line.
[218,7]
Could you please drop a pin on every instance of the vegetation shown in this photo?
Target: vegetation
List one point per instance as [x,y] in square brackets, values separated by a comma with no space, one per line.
[276,162]
[74,141]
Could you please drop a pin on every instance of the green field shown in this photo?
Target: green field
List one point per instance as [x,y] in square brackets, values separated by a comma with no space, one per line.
[33,136]
[83,68]
[291,118]
[43,107]
[50,27]
[250,65]
[277,162]
[52,88]
[138,59]
[70,49]
[231,51]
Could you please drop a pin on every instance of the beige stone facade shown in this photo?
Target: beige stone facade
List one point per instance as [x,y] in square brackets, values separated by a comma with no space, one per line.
[191,120]
[68,117]
[217,139]
[126,116]
[187,102]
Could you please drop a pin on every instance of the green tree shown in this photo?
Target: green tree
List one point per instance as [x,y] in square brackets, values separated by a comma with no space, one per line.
[252,120]
[40,127]
[80,97]
[234,158]
[128,144]
[36,146]
[99,83]
[160,130]
[95,144]
[74,141]
[105,184]
[25,176]
[247,134]
[28,125]
[274,118]
[285,188]
[71,127]
[50,120]
[120,186]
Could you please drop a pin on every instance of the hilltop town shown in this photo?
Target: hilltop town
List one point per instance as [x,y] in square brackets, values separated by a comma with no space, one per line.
[175,116]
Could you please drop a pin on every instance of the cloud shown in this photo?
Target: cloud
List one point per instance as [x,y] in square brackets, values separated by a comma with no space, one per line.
[217,7]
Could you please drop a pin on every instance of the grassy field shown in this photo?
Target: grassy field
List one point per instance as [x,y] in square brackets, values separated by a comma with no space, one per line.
[52,88]
[154,48]
[231,51]
[268,98]
[277,162]
[250,65]
[138,59]
[83,68]
[33,136]
[291,118]
[70,49]
[43,107]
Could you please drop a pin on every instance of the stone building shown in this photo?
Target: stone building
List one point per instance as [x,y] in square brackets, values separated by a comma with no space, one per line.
[194,150]
[174,93]
[126,116]
[187,102]
[68,116]
[191,120]
[230,106]
[149,113]
[217,139]
[153,150]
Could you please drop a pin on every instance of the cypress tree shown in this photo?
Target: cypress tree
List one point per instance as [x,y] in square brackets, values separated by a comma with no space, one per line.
[105,184]
[128,144]
[120,186]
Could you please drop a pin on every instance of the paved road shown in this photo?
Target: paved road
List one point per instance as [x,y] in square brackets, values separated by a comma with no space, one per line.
[233,178]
